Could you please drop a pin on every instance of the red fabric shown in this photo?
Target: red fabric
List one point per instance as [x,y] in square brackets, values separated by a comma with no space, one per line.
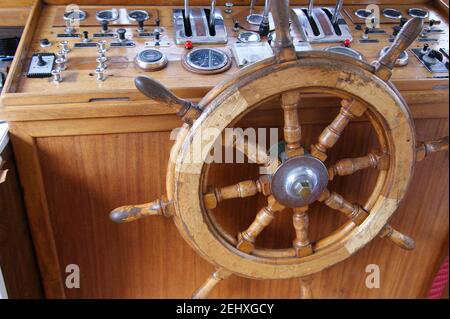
[439,282]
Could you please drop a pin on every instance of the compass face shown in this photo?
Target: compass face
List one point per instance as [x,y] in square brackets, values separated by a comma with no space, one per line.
[150,56]
[75,15]
[108,15]
[207,59]
[137,15]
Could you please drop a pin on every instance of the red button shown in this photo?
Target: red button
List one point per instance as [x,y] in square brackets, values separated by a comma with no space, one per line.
[188,45]
[347,43]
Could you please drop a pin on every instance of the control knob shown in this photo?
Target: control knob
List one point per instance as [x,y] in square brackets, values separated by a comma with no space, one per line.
[121,33]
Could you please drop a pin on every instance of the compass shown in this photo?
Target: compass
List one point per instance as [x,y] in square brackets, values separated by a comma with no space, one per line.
[207,61]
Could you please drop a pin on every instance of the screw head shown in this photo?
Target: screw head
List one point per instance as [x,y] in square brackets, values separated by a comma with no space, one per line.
[303,187]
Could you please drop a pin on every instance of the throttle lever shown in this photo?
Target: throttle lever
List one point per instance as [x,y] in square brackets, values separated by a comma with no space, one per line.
[407,35]
[153,89]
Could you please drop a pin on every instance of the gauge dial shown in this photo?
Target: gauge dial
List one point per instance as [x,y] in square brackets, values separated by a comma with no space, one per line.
[207,60]
[363,13]
[75,15]
[248,36]
[418,13]
[136,15]
[392,13]
[108,15]
[151,60]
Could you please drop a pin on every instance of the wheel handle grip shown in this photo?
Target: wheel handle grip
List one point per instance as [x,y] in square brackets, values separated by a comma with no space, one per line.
[402,41]
[153,89]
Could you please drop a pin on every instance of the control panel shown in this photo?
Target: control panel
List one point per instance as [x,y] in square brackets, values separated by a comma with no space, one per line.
[102,48]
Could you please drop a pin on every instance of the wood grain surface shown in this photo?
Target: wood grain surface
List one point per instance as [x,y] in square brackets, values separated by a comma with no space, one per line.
[149,259]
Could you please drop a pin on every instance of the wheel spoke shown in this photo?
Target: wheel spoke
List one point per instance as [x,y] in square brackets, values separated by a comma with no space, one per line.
[301,243]
[246,239]
[240,190]
[349,166]
[358,214]
[257,154]
[331,134]
[305,287]
[216,277]
[292,128]
[335,201]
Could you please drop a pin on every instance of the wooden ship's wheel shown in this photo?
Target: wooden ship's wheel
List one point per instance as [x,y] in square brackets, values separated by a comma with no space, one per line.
[300,177]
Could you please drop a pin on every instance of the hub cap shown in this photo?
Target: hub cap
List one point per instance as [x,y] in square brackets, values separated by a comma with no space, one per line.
[299,181]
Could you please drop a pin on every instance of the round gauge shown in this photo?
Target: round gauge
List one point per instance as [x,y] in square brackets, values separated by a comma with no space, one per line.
[392,13]
[75,15]
[346,51]
[255,19]
[363,13]
[151,60]
[108,15]
[207,61]
[249,36]
[136,15]
[418,13]
[401,60]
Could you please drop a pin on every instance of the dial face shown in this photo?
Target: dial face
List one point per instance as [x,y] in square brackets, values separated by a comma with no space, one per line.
[249,37]
[136,15]
[75,15]
[417,12]
[207,59]
[255,19]
[363,13]
[150,56]
[108,15]
[392,13]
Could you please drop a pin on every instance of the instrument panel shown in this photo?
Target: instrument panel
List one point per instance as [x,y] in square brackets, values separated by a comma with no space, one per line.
[102,48]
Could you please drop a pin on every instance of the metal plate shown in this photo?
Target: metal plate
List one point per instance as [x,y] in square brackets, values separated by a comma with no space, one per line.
[323,31]
[199,26]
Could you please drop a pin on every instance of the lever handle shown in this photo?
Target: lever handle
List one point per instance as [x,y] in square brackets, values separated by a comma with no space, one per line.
[426,148]
[401,240]
[153,89]
[131,213]
[406,36]
[283,46]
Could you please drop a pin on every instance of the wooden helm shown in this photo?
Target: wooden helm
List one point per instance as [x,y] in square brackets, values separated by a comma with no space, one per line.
[300,177]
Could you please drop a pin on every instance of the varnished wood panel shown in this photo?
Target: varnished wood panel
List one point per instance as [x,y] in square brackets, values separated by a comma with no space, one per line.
[87,176]
[17,259]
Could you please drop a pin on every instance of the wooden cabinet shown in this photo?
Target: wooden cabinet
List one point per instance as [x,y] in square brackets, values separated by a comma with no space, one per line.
[17,258]
[80,158]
